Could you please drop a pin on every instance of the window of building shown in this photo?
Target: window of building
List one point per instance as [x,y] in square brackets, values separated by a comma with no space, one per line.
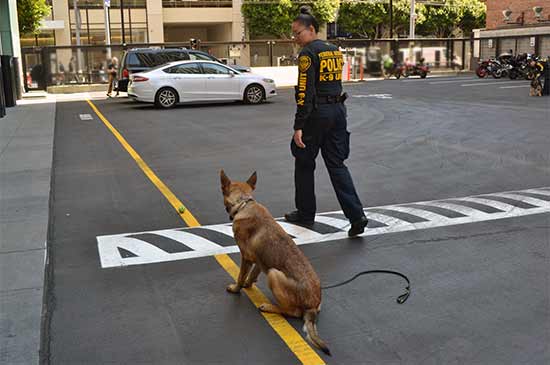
[44,38]
[92,27]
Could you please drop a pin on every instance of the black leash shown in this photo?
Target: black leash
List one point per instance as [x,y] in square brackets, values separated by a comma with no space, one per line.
[400,299]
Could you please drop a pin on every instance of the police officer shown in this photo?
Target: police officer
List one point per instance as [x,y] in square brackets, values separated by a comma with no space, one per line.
[320,124]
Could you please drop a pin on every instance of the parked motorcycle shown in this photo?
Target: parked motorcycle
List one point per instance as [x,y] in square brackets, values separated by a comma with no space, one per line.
[419,69]
[484,69]
[395,70]
[522,66]
[500,69]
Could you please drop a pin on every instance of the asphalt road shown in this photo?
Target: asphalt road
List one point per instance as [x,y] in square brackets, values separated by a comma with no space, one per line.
[480,290]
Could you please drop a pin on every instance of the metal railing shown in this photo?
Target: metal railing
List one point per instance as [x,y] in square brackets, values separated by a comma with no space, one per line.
[55,65]
[197,4]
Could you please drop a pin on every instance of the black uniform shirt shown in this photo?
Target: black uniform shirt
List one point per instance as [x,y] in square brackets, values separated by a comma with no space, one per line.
[319,74]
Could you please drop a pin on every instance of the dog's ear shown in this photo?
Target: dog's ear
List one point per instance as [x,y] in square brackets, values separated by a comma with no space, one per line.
[252,180]
[224,181]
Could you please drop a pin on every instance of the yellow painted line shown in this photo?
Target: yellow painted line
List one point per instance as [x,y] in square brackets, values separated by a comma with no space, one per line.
[293,340]
[176,203]
[288,334]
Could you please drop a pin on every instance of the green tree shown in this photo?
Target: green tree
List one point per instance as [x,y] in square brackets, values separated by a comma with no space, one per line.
[363,19]
[30,13]
[472,16]
[402,15]
[274,18]
[372,19]
[325,10]
[463,15]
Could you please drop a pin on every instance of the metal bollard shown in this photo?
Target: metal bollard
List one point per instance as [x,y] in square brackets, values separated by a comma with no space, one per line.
[546,89]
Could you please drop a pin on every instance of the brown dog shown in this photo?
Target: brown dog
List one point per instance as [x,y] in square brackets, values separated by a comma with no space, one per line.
[536,88]
[266,247]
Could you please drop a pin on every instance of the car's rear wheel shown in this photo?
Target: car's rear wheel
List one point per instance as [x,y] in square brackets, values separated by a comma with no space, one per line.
[254,94]
[166,98]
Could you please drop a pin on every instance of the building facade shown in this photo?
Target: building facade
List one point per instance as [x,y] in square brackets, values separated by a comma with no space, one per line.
[10,54]
[144,21]
[526,23]
[521,14]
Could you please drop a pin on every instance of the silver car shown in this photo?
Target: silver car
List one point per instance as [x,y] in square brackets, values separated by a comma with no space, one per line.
[195,80]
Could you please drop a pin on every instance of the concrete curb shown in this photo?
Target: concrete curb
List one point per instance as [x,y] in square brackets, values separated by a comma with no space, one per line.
[69,89]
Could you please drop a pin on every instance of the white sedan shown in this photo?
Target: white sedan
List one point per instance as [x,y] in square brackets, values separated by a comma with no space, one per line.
[191,81]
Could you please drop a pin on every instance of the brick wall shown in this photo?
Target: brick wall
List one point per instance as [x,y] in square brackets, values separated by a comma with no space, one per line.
[495,19]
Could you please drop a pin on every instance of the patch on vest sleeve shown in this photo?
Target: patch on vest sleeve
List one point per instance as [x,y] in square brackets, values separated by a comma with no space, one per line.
[305,63]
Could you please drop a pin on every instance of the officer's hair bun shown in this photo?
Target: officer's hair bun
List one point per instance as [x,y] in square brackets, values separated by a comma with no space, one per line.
[306,18]
[305,10]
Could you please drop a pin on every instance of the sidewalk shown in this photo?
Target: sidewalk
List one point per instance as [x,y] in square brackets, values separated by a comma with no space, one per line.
[26,151]
[26,156]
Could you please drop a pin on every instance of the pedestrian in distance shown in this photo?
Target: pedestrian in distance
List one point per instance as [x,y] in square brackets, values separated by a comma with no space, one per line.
[72,70]
[320,124]
[112,73]
[61,74]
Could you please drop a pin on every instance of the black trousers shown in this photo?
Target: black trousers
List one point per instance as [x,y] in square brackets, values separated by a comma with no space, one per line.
[326,131]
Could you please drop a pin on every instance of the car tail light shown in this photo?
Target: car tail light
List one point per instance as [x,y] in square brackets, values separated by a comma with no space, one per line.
[125,73]
[139,79]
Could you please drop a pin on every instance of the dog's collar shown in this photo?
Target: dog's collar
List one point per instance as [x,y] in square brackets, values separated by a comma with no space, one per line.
[245,199]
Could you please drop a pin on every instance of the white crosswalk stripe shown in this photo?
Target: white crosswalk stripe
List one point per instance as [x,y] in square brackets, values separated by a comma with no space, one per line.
[418,212]
[192,241]
[145,247]
[298,231]
[537,191]
[334,222]
[472,213]
[492,203]
[525,199]
[387,219]
[222,228]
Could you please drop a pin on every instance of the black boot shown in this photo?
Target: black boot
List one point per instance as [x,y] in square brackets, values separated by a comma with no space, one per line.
[297,217]
[358,227]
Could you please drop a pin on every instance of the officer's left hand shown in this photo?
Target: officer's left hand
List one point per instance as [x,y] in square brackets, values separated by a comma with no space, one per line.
[298,138]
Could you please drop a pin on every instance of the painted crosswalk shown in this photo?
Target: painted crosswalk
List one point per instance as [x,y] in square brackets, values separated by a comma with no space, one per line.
[187,243]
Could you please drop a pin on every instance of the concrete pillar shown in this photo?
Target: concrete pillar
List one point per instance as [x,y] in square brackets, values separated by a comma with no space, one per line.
[155,21]
[5,28]
[238,32]
[60,11]
[322,32]
[10,43]
[12,5]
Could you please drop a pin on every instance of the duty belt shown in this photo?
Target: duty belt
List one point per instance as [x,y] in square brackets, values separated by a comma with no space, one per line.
[331,99]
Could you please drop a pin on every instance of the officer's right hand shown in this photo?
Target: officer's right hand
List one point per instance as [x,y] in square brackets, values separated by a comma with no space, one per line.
[298,138]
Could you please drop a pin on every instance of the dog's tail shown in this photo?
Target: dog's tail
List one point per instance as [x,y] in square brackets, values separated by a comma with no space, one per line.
[310,318]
